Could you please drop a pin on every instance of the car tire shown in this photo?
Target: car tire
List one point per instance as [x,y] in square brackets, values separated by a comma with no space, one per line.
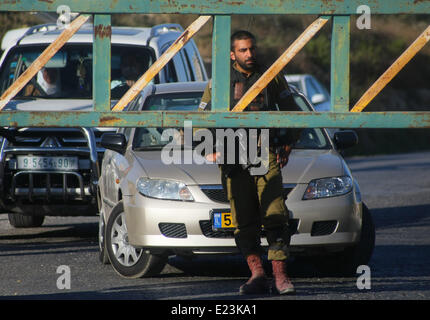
[346,262]
[18,220]
[103,255]
[128,261]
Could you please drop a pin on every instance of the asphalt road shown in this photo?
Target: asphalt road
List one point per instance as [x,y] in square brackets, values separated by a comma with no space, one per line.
[395,188]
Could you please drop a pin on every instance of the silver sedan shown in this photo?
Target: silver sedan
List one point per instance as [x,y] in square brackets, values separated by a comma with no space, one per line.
[151,208]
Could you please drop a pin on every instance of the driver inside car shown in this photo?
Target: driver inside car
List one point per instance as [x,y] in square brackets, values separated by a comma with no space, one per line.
[47,84]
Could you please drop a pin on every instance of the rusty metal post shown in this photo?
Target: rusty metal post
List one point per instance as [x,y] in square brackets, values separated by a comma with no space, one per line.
[339,82]
[102,62]
[221,63]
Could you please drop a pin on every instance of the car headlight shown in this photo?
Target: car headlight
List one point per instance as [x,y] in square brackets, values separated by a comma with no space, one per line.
[328,187]
[164,189]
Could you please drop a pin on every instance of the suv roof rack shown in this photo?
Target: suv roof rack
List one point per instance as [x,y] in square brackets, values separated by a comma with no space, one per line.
[41,28]
[166,27]
[12,37]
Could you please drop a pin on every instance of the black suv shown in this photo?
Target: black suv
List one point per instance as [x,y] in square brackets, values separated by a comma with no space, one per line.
[55,171]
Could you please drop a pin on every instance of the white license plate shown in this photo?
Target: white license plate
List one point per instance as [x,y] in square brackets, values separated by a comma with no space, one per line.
[47,163]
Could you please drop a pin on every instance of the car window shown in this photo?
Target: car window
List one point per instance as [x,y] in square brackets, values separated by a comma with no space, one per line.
[311,88]
[69,73]
[128,64]
[189,66]
[151,138]
[310,138]
[193,61]
[301,102]
[176,69]
[173,101]
[180,67]
[296,84]
[170,72]
[321,89]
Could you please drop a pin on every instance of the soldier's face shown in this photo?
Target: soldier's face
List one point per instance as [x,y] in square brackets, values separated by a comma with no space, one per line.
[244,52]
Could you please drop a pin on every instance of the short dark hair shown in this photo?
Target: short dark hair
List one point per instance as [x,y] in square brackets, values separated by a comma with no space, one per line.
[241,35]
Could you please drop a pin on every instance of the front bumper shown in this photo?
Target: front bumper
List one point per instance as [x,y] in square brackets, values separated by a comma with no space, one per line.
[50,192]
[331,223]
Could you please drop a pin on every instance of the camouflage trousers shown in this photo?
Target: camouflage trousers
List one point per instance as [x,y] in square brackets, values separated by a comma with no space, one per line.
[257,203]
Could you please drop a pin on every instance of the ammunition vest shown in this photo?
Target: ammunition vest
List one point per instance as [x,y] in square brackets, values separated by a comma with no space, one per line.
[239,85]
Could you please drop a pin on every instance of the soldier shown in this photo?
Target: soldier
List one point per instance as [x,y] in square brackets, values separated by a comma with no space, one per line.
[258,200]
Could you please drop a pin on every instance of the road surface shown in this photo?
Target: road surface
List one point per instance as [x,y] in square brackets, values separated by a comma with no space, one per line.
[34,262]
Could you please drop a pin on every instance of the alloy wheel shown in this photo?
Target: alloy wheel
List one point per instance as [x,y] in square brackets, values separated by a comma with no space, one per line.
[124,252]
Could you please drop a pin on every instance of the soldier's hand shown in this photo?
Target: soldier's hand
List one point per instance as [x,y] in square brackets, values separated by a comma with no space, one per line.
[283,155]
[213,157]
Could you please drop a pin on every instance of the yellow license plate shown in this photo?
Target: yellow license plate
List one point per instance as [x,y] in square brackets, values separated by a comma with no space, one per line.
[222,220]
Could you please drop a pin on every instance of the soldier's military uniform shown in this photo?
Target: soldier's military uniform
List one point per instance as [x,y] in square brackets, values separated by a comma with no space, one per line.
[258,200]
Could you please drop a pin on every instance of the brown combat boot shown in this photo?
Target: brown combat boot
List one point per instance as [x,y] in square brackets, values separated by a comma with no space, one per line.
[282,283]
[258,283]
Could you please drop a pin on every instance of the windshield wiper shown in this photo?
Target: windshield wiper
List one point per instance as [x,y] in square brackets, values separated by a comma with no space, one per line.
[25,98]
[161,146]
[145,148]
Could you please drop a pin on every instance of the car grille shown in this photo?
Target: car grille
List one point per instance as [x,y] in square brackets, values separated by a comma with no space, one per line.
[51,185]
[215,193]
[52,137]
[293,225]
[62,186]
[173,230]
[218,194]
[323,228]
[207,231]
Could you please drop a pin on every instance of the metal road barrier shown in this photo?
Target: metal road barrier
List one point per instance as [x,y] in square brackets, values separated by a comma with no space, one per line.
[338,11]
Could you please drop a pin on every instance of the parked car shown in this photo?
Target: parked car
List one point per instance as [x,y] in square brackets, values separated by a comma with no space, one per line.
[55,171]
[151,210]
[312,89]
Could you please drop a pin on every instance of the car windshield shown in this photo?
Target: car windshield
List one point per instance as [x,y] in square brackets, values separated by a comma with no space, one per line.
[182,101]
[296,84]
[69,73]
[157,138]
[310,138]
[151,138]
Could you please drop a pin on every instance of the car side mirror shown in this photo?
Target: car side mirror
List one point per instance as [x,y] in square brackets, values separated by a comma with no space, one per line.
[345,139]
[114,141]
[318,98]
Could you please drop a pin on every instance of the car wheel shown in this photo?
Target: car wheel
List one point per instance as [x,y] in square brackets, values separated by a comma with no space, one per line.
[18,220]
[128,261]
[362,252]
[103,255]
[346,262]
